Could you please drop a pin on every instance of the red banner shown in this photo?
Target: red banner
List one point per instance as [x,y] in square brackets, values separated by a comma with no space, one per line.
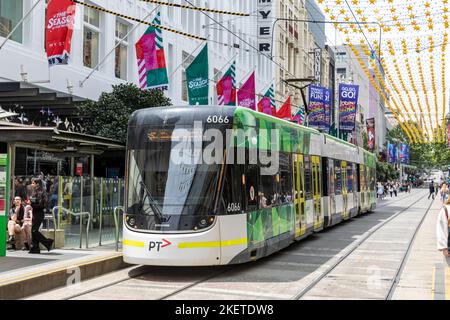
[371,133]
[58,31]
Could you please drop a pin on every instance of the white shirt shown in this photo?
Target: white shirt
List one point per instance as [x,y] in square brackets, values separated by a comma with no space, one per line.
[442,229]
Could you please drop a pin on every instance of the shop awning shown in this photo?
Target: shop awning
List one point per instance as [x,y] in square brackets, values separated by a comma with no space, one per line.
[56,140]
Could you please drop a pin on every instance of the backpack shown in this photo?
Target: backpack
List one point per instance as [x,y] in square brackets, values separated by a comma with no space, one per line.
[448,223]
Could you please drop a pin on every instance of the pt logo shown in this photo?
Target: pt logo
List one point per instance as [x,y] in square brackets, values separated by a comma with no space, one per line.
[159,244]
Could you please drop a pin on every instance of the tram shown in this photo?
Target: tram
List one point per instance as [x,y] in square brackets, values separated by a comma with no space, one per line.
[226,185]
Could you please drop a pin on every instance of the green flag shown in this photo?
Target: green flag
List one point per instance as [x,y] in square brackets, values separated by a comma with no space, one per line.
[197,79]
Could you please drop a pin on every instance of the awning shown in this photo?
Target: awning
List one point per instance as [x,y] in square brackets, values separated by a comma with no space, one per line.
[56,140]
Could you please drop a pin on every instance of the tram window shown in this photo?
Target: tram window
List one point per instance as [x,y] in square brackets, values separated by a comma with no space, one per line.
[331,176]
[251,187]
[349,179]
[308,180]
[302,179]
[338,177]
[285,178]
[295,173]
[325,175]
[268,191]
[231,200]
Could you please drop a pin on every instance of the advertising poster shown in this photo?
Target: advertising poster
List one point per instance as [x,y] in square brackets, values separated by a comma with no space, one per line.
[316,107]
[392,153]
[404,153]
[328,94]
[4,182]
[371,133]
[58,30]
[197,78]
[348,103]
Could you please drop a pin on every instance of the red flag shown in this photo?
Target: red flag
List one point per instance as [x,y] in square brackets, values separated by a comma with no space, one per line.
[58,30]
[285,110]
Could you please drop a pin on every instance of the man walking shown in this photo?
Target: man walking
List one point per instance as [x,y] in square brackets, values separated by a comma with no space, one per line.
[431,190]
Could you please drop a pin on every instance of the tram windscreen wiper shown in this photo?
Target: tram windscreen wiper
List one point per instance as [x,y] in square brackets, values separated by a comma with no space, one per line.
[152,202]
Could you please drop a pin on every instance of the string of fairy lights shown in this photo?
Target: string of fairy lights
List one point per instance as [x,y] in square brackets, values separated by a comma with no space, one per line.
[410,72]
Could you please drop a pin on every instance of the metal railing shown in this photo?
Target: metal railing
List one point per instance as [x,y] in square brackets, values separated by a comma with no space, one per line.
[77,214]
[116,223]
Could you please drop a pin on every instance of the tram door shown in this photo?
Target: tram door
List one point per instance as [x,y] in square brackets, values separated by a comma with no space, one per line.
[317,191]
[345,213]
[299,195]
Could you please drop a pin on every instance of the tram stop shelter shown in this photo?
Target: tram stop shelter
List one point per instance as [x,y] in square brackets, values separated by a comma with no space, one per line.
[63,157]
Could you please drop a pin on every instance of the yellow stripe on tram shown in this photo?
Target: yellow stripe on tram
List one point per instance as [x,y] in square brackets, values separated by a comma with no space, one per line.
[212,244]
[132,243]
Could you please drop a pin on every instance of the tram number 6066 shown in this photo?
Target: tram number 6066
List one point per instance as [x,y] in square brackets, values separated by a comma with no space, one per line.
[234,207]
[217,119]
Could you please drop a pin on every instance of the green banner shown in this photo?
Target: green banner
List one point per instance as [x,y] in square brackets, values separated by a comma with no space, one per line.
[3,201]
[197,79]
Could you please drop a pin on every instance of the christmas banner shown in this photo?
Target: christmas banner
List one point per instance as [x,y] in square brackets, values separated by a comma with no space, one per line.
[285,110]
[316,107]
[300,116]
[328,94]
[58,30]
[348,102]
[246,94]
[151,59]
[371,133]
[197,78]
[404,153]
[226,87]
[264,106]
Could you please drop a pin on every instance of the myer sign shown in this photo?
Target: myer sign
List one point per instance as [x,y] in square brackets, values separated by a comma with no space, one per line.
[317,64]
[265,26]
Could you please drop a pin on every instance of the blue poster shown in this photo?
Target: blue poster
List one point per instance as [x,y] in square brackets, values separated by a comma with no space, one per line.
[316,107]
[348,103]
[404,153]
[392,153]
[327,119]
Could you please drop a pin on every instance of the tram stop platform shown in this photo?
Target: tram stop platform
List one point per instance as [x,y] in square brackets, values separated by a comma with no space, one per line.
[23,274]
[426,273]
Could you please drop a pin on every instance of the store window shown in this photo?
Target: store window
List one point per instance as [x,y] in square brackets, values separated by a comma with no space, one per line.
[121,50]
[11,12]
[91,37]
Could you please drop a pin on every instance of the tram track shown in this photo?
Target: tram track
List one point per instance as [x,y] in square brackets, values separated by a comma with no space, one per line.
[142,271]
[358,244]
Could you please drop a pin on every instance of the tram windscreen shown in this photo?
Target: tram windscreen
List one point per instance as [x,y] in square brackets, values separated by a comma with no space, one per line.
[168,177]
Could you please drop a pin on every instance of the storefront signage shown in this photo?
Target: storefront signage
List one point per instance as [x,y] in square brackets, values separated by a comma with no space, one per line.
[265,26]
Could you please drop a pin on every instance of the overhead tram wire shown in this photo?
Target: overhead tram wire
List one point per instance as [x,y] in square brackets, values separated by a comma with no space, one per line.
[163,3]
[240,38]
[138,20]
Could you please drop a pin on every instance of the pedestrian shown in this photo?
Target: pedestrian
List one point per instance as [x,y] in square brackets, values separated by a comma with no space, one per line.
[431,188]
[442,230]
[409,187]
[15,222]
[436,188]
[39,201]
[380,191]
[27,224]
[391,189]
[444,192]
[396,186]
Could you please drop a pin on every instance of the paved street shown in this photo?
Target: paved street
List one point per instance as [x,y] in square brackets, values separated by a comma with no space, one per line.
[367,272]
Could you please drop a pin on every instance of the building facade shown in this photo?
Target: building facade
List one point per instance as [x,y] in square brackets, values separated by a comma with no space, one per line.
[97,33]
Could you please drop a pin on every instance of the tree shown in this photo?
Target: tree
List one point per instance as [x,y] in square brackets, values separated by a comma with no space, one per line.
[108,117]
[425,155]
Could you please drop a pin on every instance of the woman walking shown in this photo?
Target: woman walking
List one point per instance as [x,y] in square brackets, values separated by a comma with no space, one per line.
[39,202]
